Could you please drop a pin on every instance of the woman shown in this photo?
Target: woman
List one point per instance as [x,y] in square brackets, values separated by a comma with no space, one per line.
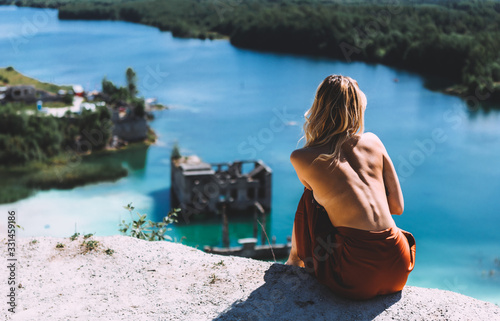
[343,231]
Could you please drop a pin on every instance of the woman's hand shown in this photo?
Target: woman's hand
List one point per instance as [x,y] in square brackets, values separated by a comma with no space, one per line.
[293,258]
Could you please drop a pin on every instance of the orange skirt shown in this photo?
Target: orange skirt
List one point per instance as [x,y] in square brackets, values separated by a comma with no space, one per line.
[353,263]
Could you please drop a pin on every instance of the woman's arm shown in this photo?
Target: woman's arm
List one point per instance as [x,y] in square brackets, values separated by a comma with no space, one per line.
[297,158]
[391,182]
[392,187]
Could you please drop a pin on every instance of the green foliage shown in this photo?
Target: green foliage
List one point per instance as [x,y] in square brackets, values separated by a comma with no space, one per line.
[115,94]
[59,245]
[151,138]
[213,278]
[27,138]
[90,245]
[13,77]
[74,236]
[39,151]
[220,263]
[95,128]
[39,137]
[139,109]
[70,131]
[456,39]
[123,96]
[109,251]
[131,82]
[68,170]
[151,231]
[68,99]
[176,154]
[11,193]
[71,175]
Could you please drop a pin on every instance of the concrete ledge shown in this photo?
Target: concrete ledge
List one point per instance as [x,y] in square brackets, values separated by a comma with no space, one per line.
[145,280]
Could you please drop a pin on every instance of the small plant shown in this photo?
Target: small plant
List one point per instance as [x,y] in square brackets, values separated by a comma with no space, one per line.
[221,263]
[151,231]
[212,278]
[86,236]
[34,241]
[109,251]
[90,245]
[74,236]
[59,245]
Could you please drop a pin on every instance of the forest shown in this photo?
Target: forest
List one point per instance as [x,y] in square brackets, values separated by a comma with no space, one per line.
[25,138]
[457,40]
[43,152]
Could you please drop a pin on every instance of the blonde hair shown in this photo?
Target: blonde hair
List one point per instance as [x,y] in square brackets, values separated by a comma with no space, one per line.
[336,114]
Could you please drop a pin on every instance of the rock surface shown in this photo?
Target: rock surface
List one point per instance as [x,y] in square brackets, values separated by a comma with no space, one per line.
[145,280]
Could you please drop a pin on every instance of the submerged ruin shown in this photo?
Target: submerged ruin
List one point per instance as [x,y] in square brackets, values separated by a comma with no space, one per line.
[200,187]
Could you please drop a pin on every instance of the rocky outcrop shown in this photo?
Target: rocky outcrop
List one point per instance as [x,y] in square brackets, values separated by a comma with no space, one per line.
[122,278]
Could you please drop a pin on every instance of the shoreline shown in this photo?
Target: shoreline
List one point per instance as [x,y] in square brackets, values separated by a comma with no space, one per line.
[482,93]
[76,158]
[22,182]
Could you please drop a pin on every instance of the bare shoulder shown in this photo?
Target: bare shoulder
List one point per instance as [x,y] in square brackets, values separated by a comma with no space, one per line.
[300,159]
[372,141]
[301,155]
[371,137]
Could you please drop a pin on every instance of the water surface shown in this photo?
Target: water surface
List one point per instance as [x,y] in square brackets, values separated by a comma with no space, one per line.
[221,97]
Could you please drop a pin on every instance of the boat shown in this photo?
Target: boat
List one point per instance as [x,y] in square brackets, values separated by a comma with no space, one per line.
[249,249]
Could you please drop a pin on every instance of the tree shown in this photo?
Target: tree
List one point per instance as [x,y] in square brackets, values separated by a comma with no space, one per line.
[139,108]
[95,128]
[114,93]
[68,99]
[176,154]
[108,87]
[131,82]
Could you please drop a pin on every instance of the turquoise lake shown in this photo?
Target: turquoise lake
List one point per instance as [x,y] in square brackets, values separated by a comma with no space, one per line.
[447,156]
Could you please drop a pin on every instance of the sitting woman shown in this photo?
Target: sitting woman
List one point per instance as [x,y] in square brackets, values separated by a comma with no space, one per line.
[344,233]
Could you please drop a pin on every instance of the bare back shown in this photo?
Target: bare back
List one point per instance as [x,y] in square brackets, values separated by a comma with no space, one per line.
[357,192]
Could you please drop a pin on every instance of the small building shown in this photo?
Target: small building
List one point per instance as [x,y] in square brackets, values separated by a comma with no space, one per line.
[200,187]
[94,95]
[3,92]
[78,90]
[26,93]
[87,106]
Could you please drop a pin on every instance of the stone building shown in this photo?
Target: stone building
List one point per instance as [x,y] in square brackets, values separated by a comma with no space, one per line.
[200,187]
[26,93]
